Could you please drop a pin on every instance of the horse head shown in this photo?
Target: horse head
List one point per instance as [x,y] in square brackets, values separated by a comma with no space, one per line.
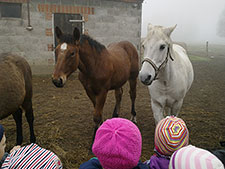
[157,50]
[67,54]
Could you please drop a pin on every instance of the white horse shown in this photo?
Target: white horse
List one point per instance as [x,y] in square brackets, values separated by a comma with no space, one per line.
[166,70]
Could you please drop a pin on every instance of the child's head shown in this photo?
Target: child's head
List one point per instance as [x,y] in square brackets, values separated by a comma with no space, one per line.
[32,156]
[118,144]
[171,133]
[2,142]
[193,157]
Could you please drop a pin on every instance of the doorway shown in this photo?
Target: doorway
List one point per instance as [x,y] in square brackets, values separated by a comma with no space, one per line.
[67,23]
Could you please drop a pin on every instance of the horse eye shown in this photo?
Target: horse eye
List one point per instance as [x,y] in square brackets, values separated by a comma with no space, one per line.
[162,47]
[73,53]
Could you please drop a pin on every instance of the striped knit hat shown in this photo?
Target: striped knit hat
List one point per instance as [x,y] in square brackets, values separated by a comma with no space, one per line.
[191,157]
[32,156]
[171,133]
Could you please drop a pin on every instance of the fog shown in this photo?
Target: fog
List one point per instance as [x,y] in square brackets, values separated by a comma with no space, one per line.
[197,21]
[221,25]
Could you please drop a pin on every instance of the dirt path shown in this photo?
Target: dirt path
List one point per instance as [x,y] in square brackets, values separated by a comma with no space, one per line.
[63,117]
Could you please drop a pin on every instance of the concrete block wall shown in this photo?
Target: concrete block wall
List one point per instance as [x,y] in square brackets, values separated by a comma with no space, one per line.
[106,21]
[114,21]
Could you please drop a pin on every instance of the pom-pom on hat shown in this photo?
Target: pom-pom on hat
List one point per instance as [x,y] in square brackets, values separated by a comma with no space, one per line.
[118,144]
[171,133]
[191,157]
[1,132]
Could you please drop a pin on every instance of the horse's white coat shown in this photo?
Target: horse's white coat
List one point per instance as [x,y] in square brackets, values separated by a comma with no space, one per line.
[174,78]
[63,46]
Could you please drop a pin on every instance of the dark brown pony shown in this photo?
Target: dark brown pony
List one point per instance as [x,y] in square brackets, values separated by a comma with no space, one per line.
[101,69]
[16,92]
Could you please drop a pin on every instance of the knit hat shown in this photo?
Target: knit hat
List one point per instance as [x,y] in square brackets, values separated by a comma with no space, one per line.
[1,132]
[118,144]
[171,133]
[191,157]
[32,156]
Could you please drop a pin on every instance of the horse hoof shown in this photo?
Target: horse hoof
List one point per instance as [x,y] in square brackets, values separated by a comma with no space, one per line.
[222,143]
[33,139]
[133,119]
[90,152]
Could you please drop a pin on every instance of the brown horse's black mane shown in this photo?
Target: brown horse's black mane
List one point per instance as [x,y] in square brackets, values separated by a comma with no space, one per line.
[98,46]
[67,38]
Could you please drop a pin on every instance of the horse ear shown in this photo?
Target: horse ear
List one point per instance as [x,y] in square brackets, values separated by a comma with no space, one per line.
[58,32]
[76,34]
[169,30]
[150,26]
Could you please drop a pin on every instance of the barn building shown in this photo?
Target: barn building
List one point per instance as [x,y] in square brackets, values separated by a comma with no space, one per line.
[27,26]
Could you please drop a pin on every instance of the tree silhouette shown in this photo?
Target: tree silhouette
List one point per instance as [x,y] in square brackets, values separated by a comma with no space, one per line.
[221,25]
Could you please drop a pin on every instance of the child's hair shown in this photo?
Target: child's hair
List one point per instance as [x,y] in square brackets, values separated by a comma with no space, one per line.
[1,132]
[193,157]
[118,144]
[171,133]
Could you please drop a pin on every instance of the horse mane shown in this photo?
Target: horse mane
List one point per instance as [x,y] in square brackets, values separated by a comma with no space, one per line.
[152,31]
[68,38]
[93,43]
[3,56]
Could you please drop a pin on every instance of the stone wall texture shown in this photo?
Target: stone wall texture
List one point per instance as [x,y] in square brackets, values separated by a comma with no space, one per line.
[105,20]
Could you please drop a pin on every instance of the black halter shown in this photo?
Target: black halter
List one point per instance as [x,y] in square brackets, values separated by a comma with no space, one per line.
[157,69]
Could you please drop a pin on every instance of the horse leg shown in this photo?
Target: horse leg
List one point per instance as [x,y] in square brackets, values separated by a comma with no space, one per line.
[19,132]
[88,90]
[133,84]
[97,116]
[169,111]
[157,110]
[91,96]
[30,119]
[118,96]
[176,107]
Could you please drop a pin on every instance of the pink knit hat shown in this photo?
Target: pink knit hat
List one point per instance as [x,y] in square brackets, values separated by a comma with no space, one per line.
[171,133]
[190,157]
[118,144]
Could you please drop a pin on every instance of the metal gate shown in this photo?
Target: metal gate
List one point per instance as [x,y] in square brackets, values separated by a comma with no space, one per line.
[67,23]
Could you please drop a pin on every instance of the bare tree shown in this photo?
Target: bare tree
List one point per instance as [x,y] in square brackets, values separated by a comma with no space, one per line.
[221,25]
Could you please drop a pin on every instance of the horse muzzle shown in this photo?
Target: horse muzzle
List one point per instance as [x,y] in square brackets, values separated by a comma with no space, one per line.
[58,82]
[146,79]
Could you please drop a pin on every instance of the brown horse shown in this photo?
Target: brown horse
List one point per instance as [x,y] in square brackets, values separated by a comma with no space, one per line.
[16,92]
[101,69]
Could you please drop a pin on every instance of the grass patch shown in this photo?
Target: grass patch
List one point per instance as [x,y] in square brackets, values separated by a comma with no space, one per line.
[198,58]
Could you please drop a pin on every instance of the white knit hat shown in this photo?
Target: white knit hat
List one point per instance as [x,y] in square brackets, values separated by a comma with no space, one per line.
[191,157]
